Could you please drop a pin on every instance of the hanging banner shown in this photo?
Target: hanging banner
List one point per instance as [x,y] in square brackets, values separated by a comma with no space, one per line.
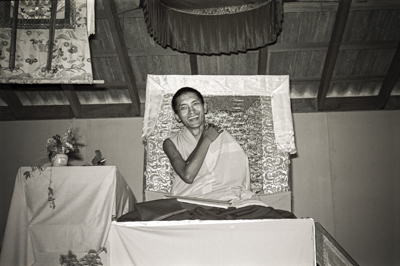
[24,42]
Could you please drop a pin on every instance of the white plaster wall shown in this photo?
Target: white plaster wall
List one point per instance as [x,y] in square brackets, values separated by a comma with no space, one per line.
[346,176]
[311,173]
[363,183]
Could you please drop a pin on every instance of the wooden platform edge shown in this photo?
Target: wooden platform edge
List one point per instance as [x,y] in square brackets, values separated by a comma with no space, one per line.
[329,252]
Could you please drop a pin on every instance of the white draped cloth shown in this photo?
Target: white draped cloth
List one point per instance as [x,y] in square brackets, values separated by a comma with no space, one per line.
[276,87]
[86,198]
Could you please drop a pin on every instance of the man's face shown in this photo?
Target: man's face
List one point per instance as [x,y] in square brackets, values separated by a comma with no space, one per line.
[190,110]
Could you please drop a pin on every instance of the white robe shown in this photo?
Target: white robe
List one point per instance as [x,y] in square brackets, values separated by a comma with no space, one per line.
[224,174]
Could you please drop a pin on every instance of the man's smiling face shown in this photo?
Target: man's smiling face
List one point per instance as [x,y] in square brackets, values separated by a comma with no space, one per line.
[190,110]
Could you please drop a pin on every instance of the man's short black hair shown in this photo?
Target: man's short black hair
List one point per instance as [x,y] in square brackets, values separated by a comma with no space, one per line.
[182,91]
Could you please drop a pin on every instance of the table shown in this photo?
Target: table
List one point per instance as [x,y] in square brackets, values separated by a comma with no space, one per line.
[86,199]
[213,242]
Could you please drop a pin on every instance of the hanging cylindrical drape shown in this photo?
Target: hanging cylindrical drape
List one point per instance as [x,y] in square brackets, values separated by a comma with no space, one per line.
[213,27]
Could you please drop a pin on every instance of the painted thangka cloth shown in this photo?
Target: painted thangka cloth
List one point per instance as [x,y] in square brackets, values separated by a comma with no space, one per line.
[255,110]
[25,60]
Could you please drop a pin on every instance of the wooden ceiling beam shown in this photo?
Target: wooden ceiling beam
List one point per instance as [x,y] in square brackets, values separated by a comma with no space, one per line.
[193,64]
[123,56]
[12,101]
[304,105]
[262,60]
[70,94]
[390,81]
[333,50]
[107,110]
[339,79]
[274,48]
[393,103]
[319,6]
[296,7]
[341,104]
[6,114]
[44,112]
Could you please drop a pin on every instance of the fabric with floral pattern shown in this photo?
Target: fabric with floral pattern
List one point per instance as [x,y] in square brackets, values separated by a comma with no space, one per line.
[71,61]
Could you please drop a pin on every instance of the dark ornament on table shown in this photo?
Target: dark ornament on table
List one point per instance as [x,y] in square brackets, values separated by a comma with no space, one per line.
[98,159]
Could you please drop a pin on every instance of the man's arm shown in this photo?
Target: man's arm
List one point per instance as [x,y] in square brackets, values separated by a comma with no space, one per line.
[188,170]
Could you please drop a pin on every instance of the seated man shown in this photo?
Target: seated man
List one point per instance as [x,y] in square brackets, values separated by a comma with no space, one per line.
[207,160]
[208,164]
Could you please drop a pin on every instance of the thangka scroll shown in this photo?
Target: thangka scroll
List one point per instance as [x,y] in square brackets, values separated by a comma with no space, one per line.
[40,44]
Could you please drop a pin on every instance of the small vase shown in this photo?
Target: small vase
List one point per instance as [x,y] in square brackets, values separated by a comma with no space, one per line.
[60,159]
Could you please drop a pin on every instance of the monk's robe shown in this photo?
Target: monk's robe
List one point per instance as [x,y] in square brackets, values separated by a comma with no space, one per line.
[224,174]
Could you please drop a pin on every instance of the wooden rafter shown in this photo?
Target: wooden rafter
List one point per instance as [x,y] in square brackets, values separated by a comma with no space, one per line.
[333,50]
[70,94]
[193,64]
[350,103]
[276,48]
[390,81]
[123,56]
[47,112]
[331,6]
[262,60]
[107,110]
[12,101]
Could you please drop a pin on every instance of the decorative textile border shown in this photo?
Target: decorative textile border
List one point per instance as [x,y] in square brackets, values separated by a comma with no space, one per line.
[213,34]
[246,106]
[222,10]
[248,119]
[32,19]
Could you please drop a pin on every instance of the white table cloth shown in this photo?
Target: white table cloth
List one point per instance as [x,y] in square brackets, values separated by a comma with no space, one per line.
[236,242]
[86,199]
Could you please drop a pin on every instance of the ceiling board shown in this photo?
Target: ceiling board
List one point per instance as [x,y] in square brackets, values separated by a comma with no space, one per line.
[359,64]
[331,57]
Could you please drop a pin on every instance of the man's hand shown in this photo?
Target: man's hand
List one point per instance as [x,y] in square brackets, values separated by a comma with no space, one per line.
[211,132]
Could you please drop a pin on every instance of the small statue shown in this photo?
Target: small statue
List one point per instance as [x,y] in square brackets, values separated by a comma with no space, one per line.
[98,159]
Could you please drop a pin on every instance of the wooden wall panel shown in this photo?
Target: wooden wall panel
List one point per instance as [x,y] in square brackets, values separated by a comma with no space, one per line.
[103,38]
[229,64]
[370,88]
[381,61]
[316,27]
[248,63]
[91,97]
[304,90]
[345,62]
[207,65]
[178,65]
[396,89]
[42,98]
[112,96]
[362,62]
[301,64]
[372,25]
[136,35]
[390,29]
[290,28]
[281,63]
[108,69]
[353,89]
[316,63]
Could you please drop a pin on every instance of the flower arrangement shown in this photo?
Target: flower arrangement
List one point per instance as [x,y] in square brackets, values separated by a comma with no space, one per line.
[62,144]
[92,258]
